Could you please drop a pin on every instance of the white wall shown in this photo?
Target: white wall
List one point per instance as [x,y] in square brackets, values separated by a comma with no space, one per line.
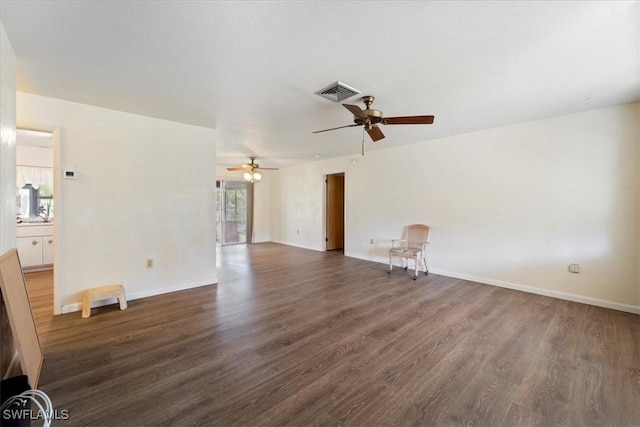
[145,188]
[8,208]
[298,194]
[27,155]
[511,206]
[262,208]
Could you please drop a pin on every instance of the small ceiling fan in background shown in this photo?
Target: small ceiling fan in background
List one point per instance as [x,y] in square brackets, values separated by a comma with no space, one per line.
[371,118]
[251,170]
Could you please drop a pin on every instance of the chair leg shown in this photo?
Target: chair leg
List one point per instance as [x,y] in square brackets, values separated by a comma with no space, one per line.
[390,264]
[86,304]
[426,269]
[415,268]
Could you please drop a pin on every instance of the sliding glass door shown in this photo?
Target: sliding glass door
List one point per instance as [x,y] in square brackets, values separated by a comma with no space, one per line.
[231,216]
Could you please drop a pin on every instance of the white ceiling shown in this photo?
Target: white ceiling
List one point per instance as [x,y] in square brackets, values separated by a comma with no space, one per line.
[34,138]
[250,69]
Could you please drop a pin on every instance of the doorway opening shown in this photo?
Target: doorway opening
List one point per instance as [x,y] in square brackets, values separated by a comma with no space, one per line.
[34,199]
[34,176]
[334,212]
[38,195]
[233,206]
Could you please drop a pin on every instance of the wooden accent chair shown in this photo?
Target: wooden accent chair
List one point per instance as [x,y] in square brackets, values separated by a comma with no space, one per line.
[413,246]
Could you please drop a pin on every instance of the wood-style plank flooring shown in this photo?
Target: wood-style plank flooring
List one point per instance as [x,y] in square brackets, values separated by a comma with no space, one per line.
[297,337]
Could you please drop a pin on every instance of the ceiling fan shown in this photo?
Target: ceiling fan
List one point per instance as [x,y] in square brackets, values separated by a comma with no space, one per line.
[251,170]
[371,118]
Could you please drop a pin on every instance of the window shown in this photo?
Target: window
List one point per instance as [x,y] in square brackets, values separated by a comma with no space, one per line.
[34,202]
[35,191]
[231,200]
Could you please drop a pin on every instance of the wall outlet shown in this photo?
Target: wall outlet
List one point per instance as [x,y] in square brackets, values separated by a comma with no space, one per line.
[149,263]
[371,241]
[574,268]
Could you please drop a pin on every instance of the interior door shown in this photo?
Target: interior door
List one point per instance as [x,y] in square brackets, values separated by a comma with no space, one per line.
[335,211]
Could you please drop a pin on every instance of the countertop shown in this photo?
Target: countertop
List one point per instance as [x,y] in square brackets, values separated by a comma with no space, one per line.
[32,224]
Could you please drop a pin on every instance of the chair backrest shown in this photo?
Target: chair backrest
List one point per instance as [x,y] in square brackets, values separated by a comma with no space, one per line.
[417,235]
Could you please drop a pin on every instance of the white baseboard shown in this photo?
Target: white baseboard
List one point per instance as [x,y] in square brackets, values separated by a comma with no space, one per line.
[70,308]
[299,246]
[544,292]
[628,308]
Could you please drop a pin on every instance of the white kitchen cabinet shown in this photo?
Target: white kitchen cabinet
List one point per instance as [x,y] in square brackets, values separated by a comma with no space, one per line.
[47,249]
[35,245]
[30,251]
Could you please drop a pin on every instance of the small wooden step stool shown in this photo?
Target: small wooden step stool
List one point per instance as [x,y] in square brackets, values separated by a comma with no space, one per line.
[104,292]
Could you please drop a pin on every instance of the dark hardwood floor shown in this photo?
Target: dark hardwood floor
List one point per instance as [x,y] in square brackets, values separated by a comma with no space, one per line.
[297,337]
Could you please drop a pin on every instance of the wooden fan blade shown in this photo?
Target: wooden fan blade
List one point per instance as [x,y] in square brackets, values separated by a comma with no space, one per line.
[239,169]
[375,133]
[268,169]
[339,127]
[356,111]
[408,120]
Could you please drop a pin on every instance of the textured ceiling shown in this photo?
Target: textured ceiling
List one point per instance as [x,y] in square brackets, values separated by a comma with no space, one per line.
[250,69]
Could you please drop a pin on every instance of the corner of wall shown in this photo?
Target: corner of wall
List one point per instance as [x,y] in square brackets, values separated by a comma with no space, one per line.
[7,143]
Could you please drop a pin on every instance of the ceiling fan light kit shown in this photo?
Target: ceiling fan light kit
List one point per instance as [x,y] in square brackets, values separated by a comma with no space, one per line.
[252,176]
[370,118]
[251,170]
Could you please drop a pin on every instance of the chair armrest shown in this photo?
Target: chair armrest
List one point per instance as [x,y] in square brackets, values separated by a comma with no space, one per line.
[393,242]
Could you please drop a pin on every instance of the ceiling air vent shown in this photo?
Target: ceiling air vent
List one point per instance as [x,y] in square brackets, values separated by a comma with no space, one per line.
[337,91]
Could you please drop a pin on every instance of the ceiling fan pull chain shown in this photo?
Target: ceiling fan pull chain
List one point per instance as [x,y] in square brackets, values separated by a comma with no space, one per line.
[362,149]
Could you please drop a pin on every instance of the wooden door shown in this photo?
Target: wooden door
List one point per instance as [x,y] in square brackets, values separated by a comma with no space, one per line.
[335,212]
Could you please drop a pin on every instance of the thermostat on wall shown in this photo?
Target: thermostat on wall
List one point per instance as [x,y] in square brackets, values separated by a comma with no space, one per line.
[69,174]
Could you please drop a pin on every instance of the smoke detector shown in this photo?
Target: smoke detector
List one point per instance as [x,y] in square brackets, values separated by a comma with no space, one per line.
[337,91]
